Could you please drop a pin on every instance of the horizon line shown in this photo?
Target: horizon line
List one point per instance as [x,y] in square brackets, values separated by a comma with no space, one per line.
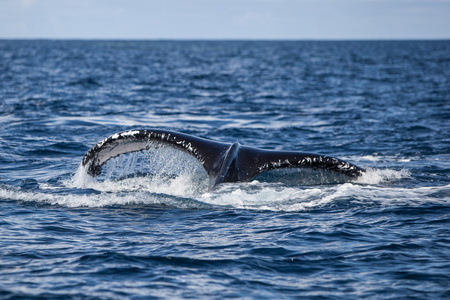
[225,39]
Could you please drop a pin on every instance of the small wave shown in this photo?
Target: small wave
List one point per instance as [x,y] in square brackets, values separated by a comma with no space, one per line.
[85,82]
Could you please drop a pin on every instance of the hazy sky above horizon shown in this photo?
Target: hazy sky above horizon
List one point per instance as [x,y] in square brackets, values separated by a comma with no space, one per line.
[225,19]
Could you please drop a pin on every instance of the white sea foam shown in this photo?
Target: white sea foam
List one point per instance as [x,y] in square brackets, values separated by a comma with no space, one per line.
[299,199]
[381,159]
[255,195]
[371,158]
[103,199]
[180,181]
[377,176]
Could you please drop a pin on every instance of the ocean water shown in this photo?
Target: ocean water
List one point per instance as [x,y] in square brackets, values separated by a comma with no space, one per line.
[150,227]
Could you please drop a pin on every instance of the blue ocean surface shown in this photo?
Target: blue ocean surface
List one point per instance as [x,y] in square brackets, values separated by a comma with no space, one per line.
[152,228]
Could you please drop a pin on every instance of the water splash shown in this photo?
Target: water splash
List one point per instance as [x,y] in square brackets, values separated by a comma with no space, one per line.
[169,177]
[160,169]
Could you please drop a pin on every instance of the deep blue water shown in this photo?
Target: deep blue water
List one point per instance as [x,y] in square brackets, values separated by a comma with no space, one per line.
[382,105]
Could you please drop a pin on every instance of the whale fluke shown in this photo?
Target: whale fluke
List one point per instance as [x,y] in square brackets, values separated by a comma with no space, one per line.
[223,162]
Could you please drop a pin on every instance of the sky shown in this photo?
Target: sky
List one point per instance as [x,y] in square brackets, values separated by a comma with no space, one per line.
[225,19]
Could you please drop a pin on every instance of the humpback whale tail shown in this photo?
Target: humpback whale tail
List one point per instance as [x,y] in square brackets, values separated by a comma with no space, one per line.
[223,162]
